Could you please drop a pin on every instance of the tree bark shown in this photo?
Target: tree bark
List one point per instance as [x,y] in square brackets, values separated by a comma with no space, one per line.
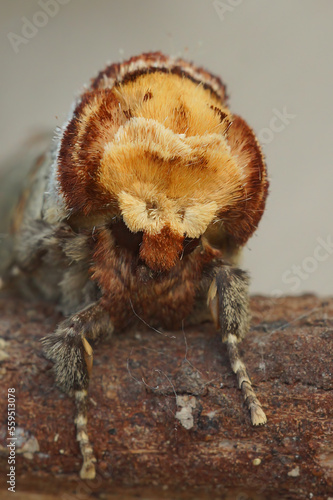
[166,417]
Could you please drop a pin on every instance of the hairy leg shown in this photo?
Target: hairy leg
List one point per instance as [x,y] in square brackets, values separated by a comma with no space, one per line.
[72,355]
[228,302]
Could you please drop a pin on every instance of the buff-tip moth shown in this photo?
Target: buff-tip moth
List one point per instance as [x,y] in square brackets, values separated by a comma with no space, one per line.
[143,203]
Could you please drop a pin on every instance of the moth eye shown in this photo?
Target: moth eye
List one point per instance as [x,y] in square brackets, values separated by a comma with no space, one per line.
[189,245]
[125,238]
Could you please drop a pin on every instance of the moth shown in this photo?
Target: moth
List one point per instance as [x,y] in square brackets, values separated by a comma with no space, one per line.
[142,204]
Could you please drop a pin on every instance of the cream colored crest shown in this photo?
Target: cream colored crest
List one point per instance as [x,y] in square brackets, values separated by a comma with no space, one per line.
[161,178]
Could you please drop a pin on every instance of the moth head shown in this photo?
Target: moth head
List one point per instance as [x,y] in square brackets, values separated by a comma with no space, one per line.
[172,163]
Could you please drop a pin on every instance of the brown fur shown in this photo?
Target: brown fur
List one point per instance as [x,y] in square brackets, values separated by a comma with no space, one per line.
[161,251]
[242,221]
[153,61]
[174,292]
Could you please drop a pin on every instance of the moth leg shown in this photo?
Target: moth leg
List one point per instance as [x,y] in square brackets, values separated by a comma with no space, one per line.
[72,354]
[88,470]
[228,302]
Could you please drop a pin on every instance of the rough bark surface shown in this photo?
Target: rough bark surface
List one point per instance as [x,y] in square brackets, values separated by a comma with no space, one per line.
[166,417]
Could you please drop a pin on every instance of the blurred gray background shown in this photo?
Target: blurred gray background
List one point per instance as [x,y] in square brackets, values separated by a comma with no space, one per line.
[276,59]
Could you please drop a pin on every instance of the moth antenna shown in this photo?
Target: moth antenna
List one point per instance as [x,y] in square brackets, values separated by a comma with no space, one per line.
[147,324]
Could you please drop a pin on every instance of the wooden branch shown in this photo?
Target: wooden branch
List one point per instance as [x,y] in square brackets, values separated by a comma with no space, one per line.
[166,416]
